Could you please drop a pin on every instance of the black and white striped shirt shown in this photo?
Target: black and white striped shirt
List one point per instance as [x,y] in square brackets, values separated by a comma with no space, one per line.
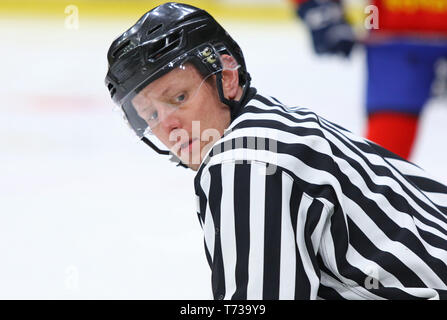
[295,207]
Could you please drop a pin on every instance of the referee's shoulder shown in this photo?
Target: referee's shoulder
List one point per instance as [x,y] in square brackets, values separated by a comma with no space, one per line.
[270,133]
[266,116]
[267,111]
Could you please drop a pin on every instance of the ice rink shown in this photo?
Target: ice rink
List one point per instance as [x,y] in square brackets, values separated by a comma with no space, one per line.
[87,211]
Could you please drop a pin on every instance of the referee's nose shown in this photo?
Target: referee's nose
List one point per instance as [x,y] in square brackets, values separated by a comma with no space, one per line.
[169,120]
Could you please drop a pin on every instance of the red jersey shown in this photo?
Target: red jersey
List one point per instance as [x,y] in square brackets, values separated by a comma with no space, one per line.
[422,16]
[410,16]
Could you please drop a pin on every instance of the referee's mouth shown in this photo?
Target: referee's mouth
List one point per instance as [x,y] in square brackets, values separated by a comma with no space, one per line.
[185,146]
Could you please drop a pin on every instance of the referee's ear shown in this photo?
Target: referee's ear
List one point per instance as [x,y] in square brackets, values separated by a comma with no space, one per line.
[230,78]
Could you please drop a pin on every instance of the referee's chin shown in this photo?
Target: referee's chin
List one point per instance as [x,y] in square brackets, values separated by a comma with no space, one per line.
[194,158]
[194,167]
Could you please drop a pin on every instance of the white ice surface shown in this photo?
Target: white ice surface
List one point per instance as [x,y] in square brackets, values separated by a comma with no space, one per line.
[88,212]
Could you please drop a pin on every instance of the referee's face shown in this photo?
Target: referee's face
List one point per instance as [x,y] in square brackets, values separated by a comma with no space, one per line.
[201,118]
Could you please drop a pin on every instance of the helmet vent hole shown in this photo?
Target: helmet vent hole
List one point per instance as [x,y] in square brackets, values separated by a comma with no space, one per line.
[164,46]
[154,29]
[112,89]
[123,49]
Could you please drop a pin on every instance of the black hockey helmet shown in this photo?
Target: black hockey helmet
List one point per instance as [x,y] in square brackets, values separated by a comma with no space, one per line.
[160,41]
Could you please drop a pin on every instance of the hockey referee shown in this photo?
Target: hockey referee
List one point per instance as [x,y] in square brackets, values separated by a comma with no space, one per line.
[292,206]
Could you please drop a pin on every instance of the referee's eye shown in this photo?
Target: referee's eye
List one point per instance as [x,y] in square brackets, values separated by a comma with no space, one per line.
[180,98]
[153,116]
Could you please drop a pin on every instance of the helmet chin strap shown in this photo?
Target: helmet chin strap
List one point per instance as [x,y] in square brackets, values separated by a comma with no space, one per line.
[154,147]
[174,158]
[235,107]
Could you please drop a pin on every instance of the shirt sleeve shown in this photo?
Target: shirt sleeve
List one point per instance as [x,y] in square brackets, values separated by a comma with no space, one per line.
[261,232]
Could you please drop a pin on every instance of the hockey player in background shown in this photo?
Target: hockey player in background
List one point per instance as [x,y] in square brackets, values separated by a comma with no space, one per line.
[292,206]
[407,40]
